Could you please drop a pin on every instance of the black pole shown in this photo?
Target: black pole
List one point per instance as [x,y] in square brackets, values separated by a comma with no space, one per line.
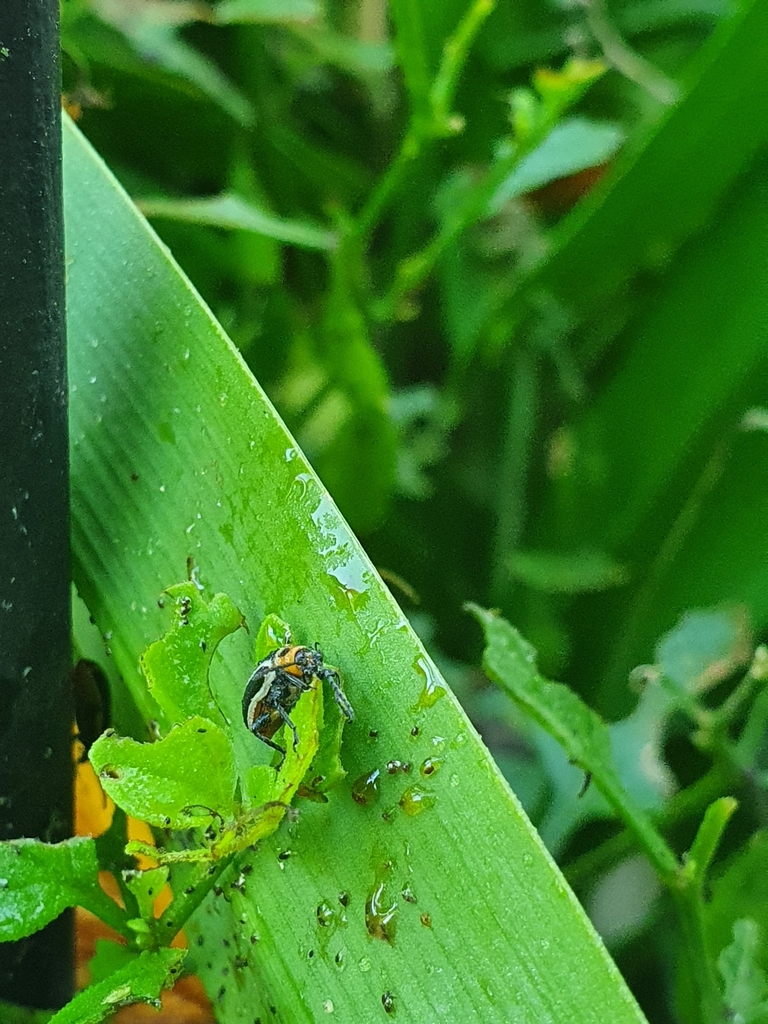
[35,707]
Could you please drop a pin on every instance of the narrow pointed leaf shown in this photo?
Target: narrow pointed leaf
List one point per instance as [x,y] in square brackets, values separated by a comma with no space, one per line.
[426,891]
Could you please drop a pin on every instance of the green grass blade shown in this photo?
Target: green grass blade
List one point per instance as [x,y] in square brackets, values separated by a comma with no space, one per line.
[450,906]
[235,214]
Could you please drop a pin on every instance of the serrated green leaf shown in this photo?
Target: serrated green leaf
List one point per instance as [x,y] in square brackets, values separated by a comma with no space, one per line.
[221,480]
[140,981]
[177,782]
[177,666]
[510,661]
[38,881]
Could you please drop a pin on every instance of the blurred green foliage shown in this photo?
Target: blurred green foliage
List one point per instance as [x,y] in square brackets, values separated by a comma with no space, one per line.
[500,267]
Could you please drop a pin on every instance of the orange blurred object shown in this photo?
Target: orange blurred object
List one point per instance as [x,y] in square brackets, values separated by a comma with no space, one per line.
[187,1002]
[561,195]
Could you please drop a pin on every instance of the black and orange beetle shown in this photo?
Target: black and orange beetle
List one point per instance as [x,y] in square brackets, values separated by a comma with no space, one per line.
[276,685]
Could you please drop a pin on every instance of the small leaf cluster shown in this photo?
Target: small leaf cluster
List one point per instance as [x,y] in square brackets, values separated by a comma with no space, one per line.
[187,784]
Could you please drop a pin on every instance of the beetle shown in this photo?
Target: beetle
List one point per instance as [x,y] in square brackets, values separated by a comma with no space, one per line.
[276,685]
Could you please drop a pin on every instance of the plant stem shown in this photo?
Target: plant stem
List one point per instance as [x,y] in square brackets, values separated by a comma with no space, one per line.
[626,60]
[756,673]
[194,884]
[105,908]
[687,895]
[423,130]
[695,957]
[455,54]
[388,184]
[648,837]
[682,805]
[415,269]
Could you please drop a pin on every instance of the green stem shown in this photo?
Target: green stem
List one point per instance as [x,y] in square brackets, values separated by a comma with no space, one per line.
[455,53]
[626,60]
[688,900]
[685,804]
[415,269]
[685,883]
[696,960]
[104,907]
[756,673]
[388,184]
[648,837]
[423,130]
[194,884]
[754,732]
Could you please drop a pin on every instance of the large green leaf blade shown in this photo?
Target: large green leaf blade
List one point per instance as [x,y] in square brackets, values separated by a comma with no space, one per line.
[177,457]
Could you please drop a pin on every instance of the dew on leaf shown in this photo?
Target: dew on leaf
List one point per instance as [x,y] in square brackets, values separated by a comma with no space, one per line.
[365,789]
[381,914]
[432,691]
[416,800]
[326,915]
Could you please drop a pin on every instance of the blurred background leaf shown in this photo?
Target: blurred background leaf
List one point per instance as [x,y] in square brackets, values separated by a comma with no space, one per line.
[560,420]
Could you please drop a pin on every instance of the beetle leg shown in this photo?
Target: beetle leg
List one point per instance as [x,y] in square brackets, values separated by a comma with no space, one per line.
[341,698]
[284,715]
[262,720]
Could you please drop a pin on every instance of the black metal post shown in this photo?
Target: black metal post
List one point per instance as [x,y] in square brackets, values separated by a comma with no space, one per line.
[35,707]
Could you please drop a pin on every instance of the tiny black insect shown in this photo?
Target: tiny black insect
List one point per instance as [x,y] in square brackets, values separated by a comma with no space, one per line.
[276,685]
